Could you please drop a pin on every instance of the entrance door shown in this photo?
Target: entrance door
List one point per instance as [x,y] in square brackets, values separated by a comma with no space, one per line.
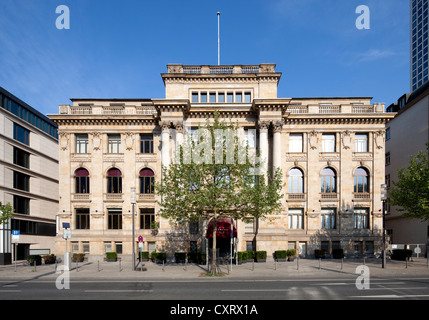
[23,251]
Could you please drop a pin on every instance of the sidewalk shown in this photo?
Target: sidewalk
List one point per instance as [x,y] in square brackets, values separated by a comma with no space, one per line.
[116,271]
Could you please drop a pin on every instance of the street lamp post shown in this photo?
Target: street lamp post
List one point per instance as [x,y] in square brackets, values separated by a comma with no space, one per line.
[383,199]
[133,202]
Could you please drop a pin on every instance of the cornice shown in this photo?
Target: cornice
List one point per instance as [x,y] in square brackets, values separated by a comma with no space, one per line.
[335,119]
[104,120]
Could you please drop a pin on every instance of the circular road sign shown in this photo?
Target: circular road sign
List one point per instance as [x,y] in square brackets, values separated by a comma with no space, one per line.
[140,239]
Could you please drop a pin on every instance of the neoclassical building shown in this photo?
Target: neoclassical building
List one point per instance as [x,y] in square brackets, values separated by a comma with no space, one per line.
[331,152]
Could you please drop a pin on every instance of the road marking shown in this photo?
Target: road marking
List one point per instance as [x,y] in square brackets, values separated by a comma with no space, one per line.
[392,296]
[8,291]
[255,290]
[118,291]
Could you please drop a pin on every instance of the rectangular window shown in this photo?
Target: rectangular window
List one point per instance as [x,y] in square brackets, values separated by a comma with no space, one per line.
[21,158]
[114,143]
[328,143]
[328,219]
[82,219]
[247,97]
[361,143]
[249,226]
[230,97]
[295,143]
[194,97]
[387,133]
[146,143]
[221,97]
[147,216]
[361,218]
[75,247]
[296,219]
[85,247]
[213,97]
[21,181]
[387,158]
[203,97]
[81,143]
[250,138]
[114,219]
[238,97]
[107,247]
[21,134]
[118,246]
[194,227]
[21,205]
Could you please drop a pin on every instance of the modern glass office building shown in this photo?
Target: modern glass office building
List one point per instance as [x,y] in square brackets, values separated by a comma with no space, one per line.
[419,43]
[28,178]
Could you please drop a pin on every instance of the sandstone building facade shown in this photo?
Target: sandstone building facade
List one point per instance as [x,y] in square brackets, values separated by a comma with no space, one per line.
[331,152]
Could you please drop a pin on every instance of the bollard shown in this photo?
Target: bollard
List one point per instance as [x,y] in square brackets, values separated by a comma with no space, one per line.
[253,265]
[364,260]
[56,266]
[297,263]
[320,261]
[406,263]
[77,266]
[163,265]
[342,262]
[120,269]
[275,264]
[98,265]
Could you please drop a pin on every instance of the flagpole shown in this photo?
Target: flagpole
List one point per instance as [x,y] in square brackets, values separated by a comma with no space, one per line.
[218,38]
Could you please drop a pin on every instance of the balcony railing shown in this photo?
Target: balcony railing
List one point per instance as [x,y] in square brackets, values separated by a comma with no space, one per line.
[80,197]
[329,196]
[113,196]
[362,195]
[296,196]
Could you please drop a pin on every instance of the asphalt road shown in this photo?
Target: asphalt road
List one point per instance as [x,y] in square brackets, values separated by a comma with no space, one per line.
[344,288]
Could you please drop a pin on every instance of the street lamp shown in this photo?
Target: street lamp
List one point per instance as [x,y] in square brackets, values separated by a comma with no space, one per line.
[133,202]
[383,199]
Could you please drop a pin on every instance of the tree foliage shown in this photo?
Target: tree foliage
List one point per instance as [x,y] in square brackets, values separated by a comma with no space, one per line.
[6,212]
[411,192]
[214,177]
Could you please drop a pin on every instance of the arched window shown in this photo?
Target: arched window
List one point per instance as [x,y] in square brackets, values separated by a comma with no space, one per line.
[361,180]
[114,181]
[296,181]
[82,180]
[146,181]
[329,181]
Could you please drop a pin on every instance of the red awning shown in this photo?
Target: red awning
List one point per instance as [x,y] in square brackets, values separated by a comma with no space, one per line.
[223,229]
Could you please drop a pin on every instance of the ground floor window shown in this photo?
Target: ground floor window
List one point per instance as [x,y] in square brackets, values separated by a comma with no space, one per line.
[296,219]
[114,219]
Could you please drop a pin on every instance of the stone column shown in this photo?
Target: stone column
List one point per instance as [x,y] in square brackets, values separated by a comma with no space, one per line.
[263,145]
[277,153]
[165,146]
[179,140]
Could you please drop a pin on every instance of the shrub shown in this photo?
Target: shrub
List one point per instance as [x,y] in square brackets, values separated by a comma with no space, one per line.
[261,255]
[401,254]
[242,255]
[111,255]
[153,255]
[291,253]
[50,258]
[161,256]
[201,257]
[338,253]
[78,256]
[35,259]
[180,256]
[319,253]
[280,254]
[144,255]
[251,255]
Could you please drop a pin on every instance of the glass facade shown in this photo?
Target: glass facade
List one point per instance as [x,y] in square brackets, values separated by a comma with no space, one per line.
[419,43]
[27,114]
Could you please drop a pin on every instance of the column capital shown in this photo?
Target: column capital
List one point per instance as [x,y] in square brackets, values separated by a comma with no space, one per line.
[165,125]
[263,125]
[278,125]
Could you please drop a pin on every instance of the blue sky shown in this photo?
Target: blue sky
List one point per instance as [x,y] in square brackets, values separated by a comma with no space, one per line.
[118,49]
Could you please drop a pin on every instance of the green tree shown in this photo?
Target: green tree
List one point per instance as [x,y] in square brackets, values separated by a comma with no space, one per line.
[214,177]
[6,212]
[411,192]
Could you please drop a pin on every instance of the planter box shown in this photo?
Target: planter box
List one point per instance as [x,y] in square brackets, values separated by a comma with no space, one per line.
[77,260]
[261,260]
[281,260]
[111,260]
[291,259]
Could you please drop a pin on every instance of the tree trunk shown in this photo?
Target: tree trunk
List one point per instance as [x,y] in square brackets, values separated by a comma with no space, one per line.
[213,264]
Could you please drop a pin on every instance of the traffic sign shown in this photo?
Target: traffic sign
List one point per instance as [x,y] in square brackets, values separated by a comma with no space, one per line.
[15,236]
[140,239]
